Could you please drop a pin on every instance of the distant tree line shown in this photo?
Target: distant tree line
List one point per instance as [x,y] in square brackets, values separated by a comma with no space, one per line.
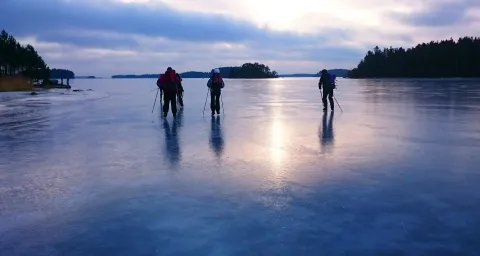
[252,70]
[136,76]
[194,74]
[336,72]
[447,58]
[247,70]
[61,74]
[16,59]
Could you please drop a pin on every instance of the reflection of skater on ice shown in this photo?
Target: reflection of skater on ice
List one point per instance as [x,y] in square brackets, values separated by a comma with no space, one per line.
[172,151]
[327,136]
[216,136]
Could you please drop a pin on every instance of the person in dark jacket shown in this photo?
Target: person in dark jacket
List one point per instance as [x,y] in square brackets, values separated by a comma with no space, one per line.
[179,89]
[216,84]
[328,83]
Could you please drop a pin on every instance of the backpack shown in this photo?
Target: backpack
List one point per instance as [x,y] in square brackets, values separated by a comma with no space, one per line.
[332,81]
[216,82]
[160,81]
[170,81]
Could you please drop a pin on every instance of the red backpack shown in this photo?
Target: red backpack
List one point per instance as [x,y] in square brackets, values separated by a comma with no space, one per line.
[168,81]
[217,80]
[160,80]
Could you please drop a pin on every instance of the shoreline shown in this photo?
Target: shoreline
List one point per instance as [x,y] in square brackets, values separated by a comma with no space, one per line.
[56,86]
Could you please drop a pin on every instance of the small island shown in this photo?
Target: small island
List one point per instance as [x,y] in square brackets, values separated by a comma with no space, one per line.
[447,58]
[252,70]
[22,69]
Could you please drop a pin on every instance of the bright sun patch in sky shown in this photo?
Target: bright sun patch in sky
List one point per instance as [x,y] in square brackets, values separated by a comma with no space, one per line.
[293,15]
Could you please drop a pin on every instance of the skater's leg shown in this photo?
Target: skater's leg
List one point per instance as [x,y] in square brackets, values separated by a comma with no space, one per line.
[217,103]
[330,99]
[173,99]
[212,102]
[324,99]
[165,103]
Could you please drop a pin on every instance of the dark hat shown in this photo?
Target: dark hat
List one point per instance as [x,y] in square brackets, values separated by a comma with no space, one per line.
[169,68]
[324,71]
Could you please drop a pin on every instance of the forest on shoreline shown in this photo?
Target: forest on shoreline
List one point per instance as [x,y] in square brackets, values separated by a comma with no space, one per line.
[21,67]
[440,59]
[16,59]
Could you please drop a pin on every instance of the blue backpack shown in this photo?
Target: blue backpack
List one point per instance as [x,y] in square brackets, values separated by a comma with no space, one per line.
[332,81]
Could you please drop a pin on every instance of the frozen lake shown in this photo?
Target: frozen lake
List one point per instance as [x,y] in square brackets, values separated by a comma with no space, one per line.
[96,173]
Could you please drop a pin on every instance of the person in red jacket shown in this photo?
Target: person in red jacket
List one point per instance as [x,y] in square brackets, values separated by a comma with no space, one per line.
[168,84]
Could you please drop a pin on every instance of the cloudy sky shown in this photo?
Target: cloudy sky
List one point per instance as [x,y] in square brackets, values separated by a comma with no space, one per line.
[105,37]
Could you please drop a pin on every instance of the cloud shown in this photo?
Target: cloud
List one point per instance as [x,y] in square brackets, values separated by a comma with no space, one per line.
[154,20]
[104,37]
[440,14]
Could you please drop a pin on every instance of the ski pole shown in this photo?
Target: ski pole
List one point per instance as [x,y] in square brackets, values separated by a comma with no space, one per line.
[205,105]
[337,103]
[155,101]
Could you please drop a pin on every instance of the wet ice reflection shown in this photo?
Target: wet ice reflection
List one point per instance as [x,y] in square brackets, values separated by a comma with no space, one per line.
[395,173]
[277,143]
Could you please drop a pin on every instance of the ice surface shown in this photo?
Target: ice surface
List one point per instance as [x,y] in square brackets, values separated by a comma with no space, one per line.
[96,173]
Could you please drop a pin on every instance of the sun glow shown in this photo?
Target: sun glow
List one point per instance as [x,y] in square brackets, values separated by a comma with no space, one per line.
[298,15]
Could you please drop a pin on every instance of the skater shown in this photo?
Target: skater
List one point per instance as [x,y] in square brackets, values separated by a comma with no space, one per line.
[167,83]
[216,84]
[328,82]
[179,89]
